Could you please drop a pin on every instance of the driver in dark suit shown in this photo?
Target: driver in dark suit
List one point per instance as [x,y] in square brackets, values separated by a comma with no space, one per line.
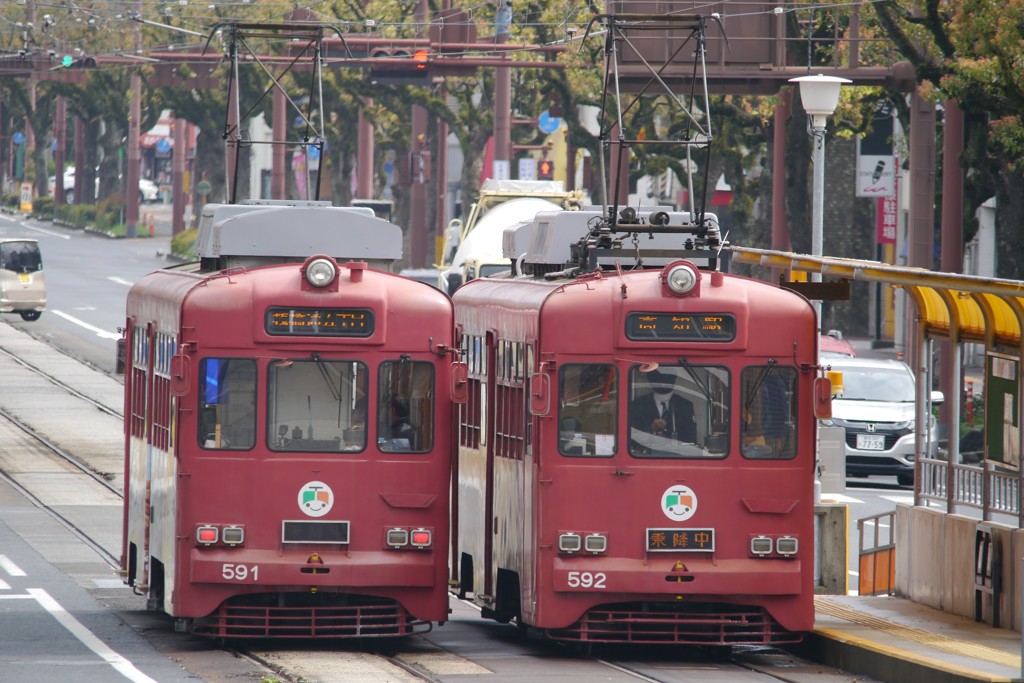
[663,412]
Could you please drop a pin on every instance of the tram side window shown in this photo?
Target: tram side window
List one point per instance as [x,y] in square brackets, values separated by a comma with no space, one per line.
[316,405]
[405,406]
[768,395]
[679,411]
[227,403]
[588,401]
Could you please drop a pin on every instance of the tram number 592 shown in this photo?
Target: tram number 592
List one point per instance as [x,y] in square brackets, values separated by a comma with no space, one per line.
[240,572]
[586,579]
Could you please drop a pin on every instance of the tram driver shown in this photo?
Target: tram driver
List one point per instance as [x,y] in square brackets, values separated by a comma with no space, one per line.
[400,434]
[662,411]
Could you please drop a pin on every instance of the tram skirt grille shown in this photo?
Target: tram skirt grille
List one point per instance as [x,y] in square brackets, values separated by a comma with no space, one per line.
[384,619]
[710,625]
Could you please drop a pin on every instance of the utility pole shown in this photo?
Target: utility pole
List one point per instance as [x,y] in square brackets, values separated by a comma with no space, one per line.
[131,193]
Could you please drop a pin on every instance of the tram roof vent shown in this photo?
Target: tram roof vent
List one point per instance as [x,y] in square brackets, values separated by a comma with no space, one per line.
[274,231]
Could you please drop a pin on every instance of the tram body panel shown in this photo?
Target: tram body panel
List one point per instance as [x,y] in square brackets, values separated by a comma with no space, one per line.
[610,492]
[276,439]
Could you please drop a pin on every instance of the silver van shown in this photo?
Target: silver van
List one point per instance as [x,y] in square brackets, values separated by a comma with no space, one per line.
[877,409]
[22,285]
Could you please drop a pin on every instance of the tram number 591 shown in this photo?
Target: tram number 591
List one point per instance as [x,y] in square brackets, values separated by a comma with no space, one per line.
[586,579]
[240,572]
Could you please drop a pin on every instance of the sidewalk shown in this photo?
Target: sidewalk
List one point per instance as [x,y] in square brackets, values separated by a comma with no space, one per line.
[898,641]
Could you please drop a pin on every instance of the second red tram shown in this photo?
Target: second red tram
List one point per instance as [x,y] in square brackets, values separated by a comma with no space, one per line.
[287,441]
[636,458]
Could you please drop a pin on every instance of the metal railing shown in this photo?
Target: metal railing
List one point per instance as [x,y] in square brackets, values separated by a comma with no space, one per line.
[979,487]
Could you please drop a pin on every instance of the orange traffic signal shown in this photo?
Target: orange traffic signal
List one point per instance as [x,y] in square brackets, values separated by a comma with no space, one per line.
[545,169]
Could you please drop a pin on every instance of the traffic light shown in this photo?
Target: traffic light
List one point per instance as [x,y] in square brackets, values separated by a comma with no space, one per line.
[545,169]
[400,66]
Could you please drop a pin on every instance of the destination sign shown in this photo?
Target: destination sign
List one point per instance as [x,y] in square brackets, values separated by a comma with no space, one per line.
[319,322]
[681,540]
[713,327]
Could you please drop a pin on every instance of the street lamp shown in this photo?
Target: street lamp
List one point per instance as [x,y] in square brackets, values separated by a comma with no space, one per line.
[819,95]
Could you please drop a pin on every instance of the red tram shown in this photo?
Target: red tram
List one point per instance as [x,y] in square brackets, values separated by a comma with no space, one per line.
[640,442]
[287,430]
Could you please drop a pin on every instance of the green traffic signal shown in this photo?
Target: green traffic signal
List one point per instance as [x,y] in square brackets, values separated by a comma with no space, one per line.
[66,60]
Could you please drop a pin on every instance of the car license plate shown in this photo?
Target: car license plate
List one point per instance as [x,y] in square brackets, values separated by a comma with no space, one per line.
[24,278]
[871,442]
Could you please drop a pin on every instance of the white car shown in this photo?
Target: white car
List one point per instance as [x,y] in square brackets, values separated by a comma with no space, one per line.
[148,190]
[877,409]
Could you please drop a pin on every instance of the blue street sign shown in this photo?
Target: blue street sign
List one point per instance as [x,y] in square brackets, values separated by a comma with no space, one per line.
[18,138]
[163,145]
[547,123]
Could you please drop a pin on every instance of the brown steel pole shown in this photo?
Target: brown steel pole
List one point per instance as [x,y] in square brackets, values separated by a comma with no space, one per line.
[920,238]
[60,128]
[364,154]
[502,95]
[131,193]
[80,160]
[441,177]
[178,172]
[277,156]
[418,191]
[952,253]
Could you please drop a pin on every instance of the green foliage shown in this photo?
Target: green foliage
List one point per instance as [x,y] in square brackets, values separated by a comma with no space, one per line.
[42,207]
[183,244]
[11,200]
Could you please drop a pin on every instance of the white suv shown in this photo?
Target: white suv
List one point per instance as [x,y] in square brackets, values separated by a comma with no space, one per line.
[877,410]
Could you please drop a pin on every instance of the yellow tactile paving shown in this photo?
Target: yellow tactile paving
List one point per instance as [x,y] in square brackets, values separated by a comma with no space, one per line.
[935,640]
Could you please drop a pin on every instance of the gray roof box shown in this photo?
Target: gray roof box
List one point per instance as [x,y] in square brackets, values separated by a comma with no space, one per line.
[261,232]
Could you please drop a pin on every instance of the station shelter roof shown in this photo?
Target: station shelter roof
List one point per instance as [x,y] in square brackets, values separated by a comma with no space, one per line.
[986,310]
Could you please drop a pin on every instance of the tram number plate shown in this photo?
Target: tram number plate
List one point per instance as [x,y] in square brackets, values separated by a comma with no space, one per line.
[871,442]
[240,572]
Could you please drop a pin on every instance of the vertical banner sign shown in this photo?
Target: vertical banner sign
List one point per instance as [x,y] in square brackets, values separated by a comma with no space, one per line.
[887,215]
[1002,410]
[876,166]
[26,198]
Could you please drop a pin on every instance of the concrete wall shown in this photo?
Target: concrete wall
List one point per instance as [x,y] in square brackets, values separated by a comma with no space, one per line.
[935,556]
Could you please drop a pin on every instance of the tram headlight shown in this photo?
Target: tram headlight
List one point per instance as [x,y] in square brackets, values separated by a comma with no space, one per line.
[761,546]
[397,538]
[321,272]
[233,535]
[681,279]
[786,545]
[570,543]
[595,543]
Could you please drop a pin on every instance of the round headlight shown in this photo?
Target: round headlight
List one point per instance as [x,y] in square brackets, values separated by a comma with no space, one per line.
[681,279]
[320,272]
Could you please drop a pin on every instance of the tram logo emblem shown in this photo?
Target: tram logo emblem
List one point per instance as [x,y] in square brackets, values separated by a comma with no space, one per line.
[679,503]
[316,499]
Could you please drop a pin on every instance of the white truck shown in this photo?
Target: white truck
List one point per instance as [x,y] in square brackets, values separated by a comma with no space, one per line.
[472,248]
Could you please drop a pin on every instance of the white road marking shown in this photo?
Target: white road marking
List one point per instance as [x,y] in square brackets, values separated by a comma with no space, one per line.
[99,333]
[88,638]
[838,498]
[120,281]
[4,586]
[8,566]
[51,233]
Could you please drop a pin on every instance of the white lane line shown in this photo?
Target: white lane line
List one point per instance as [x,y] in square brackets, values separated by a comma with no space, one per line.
[44,231]
[121,281]
[99,333]
[88,638]
[8,566]
[16,597]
